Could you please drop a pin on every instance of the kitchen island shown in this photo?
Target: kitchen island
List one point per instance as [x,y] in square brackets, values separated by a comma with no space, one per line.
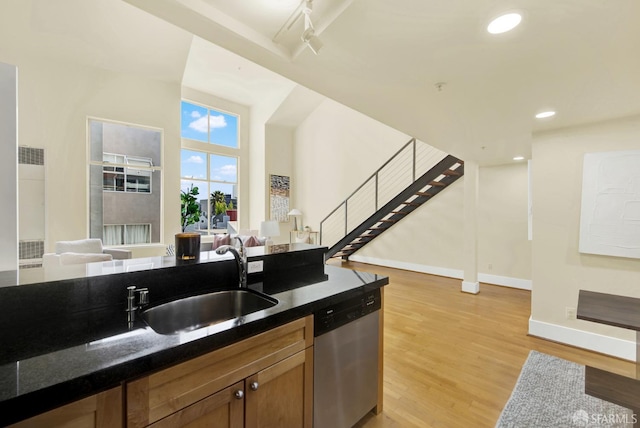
[89,347]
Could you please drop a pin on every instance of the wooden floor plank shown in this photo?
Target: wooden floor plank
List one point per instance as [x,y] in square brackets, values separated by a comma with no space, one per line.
[451,359]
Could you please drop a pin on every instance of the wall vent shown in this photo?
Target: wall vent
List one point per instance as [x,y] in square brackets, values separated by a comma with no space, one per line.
[32,249]
[30,156]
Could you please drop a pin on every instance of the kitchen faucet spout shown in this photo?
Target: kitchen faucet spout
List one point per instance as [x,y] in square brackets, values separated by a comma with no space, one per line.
[241,261]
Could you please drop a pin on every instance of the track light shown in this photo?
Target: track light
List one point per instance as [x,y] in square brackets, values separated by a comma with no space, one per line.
[312,41]
[309,35]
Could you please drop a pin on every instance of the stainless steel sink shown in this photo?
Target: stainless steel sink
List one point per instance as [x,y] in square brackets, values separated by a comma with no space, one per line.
[199,311]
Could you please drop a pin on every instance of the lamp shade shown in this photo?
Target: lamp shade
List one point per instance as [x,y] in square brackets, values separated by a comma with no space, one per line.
[295,211]
[269,228]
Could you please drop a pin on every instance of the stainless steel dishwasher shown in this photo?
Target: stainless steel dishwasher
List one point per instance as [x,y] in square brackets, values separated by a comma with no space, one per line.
[345,362]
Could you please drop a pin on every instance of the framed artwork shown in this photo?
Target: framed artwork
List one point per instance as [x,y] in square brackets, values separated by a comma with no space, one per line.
[279,187]
[610,214]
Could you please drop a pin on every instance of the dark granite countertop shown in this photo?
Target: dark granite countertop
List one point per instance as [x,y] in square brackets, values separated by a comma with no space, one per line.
[110,353]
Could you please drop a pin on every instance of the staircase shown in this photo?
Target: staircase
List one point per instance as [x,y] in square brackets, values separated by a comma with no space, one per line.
[409,179]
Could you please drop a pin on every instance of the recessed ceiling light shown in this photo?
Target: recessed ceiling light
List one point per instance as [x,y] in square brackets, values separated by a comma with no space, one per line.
[504,23]
[545,114]
[518,158]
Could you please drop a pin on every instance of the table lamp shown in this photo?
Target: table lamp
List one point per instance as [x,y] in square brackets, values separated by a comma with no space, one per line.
[295,213]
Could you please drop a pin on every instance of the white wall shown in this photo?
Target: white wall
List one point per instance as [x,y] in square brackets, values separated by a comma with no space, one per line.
[261,112]
[55,100]
[336,149]
[279,149]
[8,165]
[559,270]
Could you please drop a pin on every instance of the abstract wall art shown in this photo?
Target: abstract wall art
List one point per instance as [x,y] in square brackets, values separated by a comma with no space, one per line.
[279,197]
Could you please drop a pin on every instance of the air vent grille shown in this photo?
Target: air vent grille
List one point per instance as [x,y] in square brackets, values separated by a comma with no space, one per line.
[30,156]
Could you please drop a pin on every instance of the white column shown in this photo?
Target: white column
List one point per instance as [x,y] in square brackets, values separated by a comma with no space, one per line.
[470,279]
[9,167]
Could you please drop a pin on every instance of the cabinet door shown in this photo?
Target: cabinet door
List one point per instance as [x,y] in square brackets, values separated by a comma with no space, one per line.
[103,410]
[282,395]
[224,409]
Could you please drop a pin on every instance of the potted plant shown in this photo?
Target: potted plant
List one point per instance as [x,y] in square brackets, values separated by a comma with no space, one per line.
[232,212]
[188,243]
[189,207]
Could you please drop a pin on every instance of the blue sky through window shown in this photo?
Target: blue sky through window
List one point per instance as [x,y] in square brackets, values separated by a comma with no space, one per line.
[208,125]
[193,164]
[224,168]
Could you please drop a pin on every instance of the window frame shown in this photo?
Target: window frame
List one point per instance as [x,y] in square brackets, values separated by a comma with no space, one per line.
[208,148]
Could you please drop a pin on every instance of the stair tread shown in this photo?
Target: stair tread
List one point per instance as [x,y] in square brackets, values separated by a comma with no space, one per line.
[437,184]
[427,194]
[451,172]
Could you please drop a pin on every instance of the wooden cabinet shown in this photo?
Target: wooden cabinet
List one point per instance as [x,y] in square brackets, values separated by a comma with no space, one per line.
[282,395]
[265,380]
[103,410]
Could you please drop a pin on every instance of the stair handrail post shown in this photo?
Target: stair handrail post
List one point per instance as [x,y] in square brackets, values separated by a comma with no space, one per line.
[413,177]
[346,213]
[376,191]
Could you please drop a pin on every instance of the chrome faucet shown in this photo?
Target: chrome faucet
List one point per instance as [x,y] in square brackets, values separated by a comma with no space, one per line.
[241,260]
[143,298]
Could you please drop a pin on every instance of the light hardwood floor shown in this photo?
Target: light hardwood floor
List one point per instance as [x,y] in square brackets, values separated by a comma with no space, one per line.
[451,359]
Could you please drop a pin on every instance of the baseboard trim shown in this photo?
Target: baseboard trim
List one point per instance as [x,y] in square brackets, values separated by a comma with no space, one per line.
[506,281]
[433,270]
[619,348]
[524,284]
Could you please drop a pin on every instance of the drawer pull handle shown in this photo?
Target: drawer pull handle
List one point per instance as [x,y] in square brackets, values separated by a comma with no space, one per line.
[254,386]
[239,394]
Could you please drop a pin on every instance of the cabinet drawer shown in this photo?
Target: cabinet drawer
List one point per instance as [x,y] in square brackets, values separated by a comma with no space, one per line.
[154,397]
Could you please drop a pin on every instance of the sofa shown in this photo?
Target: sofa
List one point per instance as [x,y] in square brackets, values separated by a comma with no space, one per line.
[82,251]
[248,240]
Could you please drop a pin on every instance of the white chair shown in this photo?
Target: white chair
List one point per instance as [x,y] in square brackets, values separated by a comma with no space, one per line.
[82,251]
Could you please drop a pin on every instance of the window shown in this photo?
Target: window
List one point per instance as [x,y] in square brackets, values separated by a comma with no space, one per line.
[125,183]
[209,161]
[209,126]
[126,234]
[124,178]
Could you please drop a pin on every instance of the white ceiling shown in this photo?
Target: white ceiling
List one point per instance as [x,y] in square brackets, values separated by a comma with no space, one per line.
[98,33]
[384,57]
[380,57]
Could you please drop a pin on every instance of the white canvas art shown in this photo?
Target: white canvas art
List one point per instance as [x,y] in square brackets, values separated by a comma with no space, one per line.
[610,215]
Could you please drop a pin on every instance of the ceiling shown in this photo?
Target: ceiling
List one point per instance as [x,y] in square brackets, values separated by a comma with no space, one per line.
[382,58]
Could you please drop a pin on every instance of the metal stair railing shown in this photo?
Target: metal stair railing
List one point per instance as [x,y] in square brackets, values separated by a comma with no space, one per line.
[396,174]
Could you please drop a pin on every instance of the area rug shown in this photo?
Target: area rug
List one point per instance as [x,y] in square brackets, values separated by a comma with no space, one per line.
[550,393]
